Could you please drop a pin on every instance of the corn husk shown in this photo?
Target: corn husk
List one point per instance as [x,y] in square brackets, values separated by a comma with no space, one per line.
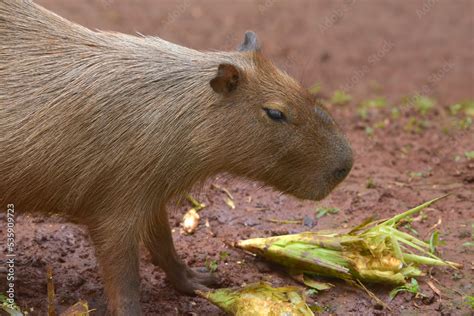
[260,299]
[191,218]
[190,221]
[374,251]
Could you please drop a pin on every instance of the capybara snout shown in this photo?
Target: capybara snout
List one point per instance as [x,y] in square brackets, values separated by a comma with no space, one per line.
[343,161]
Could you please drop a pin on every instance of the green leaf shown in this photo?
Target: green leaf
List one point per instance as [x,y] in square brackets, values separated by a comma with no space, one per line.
[411,287]
[323,211]
[394,220]
[434,241]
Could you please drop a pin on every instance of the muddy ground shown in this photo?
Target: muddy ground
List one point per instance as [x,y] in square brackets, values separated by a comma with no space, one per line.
[393,49]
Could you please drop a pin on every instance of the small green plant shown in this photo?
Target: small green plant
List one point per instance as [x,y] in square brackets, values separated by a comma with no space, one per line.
[212,265]
[411,287]
[419,174]
[369,131]
[370,183]
[468,107]
[465,107]
[469,155]
[465,123]
[381,124]
[340,97]
[323,211]
[423,104]
[363,113]
[456,276]
[379,102]
[470,301]
[395,112]
[455,108]
[415,125]
[365,106]
[470,243]
[223,255]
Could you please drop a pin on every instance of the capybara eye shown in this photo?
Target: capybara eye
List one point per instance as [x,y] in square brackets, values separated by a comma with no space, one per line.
[275,114]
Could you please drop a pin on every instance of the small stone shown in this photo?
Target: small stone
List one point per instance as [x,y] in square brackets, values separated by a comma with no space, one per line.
[378,306]
[262,267]
[308,221]
[251,222]
[37,263]
[278,232]
[428,300]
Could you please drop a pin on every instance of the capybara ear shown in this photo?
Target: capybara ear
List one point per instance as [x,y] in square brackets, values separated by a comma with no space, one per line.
[227,79]
[250,42]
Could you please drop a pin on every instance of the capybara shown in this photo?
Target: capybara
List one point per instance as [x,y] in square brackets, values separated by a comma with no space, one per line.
[105,128]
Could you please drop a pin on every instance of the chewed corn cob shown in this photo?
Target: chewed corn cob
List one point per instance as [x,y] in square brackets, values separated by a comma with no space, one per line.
[375,251]
[260,299]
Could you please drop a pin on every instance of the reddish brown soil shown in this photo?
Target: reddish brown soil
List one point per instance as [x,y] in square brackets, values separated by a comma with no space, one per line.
[335,43]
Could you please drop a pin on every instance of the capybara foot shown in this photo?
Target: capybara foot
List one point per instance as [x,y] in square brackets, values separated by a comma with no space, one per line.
[203,277]
[194,279]
[189,286]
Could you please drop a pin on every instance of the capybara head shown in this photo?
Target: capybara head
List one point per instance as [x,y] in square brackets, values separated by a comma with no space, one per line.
[271,129]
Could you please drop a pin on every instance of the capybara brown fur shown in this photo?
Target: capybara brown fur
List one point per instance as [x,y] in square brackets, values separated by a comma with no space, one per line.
[105,128]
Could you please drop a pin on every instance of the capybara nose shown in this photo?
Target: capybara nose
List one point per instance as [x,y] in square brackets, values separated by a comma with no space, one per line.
[341,172]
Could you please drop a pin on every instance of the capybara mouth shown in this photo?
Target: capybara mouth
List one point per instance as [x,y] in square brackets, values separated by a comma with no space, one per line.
[305,193]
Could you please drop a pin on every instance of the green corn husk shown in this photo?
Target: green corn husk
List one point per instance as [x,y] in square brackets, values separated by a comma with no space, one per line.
[374,251]
[259,299]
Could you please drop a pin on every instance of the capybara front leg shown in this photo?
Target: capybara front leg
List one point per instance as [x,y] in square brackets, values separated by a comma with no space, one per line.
[117,255]
[159,241]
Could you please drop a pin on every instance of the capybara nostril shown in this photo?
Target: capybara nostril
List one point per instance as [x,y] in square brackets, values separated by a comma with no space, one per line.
[341,173]
[343,170]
